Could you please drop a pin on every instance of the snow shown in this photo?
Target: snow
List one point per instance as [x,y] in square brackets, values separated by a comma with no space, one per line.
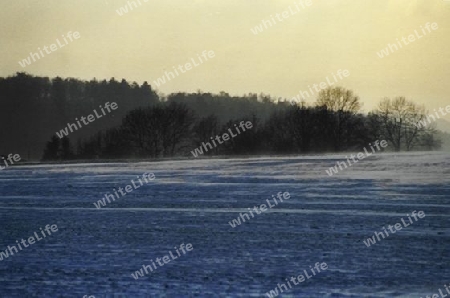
[326,220]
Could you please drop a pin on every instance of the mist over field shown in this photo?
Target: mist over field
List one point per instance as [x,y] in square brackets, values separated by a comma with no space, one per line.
[193,148]
[326,219]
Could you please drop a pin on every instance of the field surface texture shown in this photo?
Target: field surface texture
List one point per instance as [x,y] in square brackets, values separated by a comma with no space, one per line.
[327,219]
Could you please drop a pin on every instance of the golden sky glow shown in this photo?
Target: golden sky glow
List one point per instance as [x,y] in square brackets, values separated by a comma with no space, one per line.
[290,56]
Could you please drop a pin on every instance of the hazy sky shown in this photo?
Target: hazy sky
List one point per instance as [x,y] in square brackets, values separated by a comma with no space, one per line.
[300,51]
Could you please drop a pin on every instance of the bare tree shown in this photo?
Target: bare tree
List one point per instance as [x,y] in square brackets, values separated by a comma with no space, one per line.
[429,141]
[142,129]
[399,118]
[344,105]
[204,129]
[302,120]
[175,126]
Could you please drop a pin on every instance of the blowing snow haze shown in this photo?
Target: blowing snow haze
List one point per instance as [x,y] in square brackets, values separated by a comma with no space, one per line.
[295,144]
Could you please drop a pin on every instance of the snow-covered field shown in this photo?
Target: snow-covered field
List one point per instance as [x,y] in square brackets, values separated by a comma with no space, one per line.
[325,220]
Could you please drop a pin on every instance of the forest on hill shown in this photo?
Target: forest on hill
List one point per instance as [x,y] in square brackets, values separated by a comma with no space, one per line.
[35,110]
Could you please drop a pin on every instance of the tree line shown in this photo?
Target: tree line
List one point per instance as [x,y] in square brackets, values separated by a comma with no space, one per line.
[332,124]
[152,125]
[33,108]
